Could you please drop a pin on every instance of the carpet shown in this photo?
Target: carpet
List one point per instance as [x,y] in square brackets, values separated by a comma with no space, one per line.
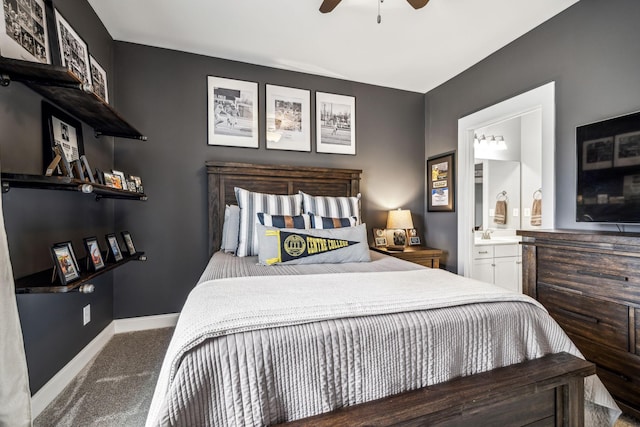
[115,388]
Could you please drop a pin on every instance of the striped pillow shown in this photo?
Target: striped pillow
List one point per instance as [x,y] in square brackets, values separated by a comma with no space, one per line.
[250,204]
[333,207]
[301,222]
[324,223]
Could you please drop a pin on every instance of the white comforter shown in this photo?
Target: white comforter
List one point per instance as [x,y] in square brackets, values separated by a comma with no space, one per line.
[256,351]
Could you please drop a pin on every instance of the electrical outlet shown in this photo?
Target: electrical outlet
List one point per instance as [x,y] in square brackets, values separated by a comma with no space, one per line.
[516,212]
[527,212]
[86,314]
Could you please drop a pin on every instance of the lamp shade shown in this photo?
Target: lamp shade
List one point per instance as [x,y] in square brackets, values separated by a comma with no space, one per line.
[400,218]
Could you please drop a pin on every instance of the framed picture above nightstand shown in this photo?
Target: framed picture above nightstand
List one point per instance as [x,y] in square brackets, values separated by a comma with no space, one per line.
[428,257]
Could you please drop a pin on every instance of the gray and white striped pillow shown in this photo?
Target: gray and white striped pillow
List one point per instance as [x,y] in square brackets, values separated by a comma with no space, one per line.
[250,204]
[334,207]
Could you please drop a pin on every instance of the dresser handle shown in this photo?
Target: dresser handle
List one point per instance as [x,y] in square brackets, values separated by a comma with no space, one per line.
[577,315]
[603,275]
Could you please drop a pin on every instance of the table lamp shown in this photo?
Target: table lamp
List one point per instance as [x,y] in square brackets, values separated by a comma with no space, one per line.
[400,221]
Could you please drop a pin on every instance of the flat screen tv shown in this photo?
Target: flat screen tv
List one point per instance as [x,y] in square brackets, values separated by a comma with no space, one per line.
[608,187]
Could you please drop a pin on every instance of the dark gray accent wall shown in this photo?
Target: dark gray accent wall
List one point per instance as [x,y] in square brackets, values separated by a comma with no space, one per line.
[590,50]
[164,94]
[35,219]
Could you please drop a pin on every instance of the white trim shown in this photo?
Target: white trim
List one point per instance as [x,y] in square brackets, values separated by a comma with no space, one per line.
[64,376]
[542,98]
[146,322]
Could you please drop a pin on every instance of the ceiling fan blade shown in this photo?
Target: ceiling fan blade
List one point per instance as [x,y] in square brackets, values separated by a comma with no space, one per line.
[417,4]
[328,5]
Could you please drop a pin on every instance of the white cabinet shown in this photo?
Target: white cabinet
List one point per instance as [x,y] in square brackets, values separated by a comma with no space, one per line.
[498,264]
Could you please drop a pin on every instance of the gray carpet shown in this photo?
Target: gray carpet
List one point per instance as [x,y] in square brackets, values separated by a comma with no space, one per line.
[115,388]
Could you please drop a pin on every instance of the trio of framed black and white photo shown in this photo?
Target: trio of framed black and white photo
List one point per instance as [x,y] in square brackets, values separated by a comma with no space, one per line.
[335,123]
[233,112]
[288,115]
[35,31]
[233,117]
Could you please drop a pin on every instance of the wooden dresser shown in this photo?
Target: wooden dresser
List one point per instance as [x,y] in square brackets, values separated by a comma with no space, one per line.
[590,283]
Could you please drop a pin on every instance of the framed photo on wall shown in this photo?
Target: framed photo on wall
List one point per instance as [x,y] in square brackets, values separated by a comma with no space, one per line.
[441,183]
[74,53]
[335,123]
[99,79]
[288,119]
[232,109]
[23,31]
[64,262]
[58,128]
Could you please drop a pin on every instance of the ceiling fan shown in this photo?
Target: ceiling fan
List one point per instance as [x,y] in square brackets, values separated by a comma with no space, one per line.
[328,5]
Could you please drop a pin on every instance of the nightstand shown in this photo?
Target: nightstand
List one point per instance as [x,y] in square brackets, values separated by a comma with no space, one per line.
[429,257]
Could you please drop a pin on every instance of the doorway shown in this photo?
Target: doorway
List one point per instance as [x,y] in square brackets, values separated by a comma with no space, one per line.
[541,98]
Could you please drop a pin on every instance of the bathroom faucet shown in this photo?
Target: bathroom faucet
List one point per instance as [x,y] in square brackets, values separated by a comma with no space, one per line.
[486,234]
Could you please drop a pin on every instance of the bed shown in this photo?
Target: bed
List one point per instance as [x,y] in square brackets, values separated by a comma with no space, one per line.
[384,342]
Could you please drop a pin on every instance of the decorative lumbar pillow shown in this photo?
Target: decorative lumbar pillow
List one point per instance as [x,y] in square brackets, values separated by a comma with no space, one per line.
[230,229]
[285,221]
[291,246]
[333,207]
[323,223]
[250,204]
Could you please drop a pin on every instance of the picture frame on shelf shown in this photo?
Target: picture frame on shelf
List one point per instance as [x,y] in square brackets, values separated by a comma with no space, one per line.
[379,237]
[335,123]
[128,241]
[114,252]
[108,178]
[441,183]
[232,110]
[99,79]
[94,254]
[119,180]
[412,236]
[65,265]
[24,30]
[87,169]
[288,118]
[74,53]
[59,128]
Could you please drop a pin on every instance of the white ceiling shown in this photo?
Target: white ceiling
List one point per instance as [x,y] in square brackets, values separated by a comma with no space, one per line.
[414,50]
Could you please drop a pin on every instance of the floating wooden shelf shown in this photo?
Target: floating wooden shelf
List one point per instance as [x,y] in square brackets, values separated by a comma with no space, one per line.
[60,86]
[64,183]
[41,282]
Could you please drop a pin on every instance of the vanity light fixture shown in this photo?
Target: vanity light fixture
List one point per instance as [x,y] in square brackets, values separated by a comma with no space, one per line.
[491,142]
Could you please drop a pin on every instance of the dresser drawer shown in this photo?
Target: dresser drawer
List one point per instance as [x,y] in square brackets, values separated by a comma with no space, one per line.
[618,370]
[592,273]
[600,321]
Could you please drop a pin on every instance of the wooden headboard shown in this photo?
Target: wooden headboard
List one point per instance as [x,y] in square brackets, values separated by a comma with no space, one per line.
[222,177]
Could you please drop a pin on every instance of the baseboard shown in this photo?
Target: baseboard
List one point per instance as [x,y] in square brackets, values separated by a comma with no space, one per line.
[60,380]
[143,323]
[55,385]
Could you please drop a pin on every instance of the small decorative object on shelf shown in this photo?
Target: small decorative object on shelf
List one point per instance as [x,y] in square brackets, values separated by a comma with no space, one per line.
[65,263]
[131,249]
[380,237]
[58,128]
[114,252]
[414,239]
[94,255]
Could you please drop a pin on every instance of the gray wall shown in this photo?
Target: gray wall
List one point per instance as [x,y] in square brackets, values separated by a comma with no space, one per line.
[35,219]
[591,51]
[164,94]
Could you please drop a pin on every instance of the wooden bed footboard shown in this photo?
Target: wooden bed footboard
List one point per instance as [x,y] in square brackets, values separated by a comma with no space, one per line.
[543,392]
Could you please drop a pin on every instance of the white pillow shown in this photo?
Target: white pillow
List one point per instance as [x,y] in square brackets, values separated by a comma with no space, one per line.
[333,207]
[250,204]
[230,229]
